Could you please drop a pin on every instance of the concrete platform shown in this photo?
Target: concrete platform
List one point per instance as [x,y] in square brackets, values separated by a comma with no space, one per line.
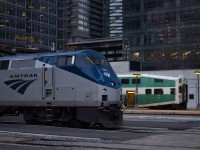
[161,112]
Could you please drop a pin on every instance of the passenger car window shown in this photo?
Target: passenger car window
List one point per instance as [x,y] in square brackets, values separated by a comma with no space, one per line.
[180,89]
[172,91]
[135,81]
[124,81]
[158,91]
[148,91]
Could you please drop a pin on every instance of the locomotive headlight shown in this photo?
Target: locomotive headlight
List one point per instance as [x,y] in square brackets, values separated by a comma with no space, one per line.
[104,90]
[112,83]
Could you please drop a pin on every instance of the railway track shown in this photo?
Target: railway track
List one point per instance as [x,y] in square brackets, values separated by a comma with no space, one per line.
[17,134]
[155,141]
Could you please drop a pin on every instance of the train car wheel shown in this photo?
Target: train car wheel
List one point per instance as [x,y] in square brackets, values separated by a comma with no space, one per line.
[29,117]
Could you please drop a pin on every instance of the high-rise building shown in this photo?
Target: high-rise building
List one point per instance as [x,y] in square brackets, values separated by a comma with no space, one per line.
[62,13]
[51,24]
[28,23]
[162,34]
[86,19]
[116,18]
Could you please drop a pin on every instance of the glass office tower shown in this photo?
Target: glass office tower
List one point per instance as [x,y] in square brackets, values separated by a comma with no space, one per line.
[87,19]
[116,18]
[28,23]
[52,24]
[162,34]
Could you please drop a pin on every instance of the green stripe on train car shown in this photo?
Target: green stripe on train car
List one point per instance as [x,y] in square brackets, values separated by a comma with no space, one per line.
[149,82]
[149,99]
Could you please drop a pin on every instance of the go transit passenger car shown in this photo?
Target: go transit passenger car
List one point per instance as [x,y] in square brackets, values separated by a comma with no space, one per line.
[154,91]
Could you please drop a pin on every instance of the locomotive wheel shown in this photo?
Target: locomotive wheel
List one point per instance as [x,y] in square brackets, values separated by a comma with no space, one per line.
[30,120]
[78,124]
[29,117]
[85,124]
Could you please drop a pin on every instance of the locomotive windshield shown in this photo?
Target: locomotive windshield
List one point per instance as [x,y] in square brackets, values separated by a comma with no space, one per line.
[96,61]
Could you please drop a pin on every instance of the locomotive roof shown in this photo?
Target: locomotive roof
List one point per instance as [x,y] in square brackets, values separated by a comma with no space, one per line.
[37,55]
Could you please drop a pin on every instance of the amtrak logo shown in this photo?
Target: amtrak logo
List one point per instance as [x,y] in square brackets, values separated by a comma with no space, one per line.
[107,74]
[19,84]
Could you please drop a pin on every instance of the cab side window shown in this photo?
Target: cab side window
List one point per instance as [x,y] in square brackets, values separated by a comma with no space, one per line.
[64,61]
[47,59]
[61,61]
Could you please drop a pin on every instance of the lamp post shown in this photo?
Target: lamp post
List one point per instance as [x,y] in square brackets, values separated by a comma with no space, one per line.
[197,73]
[137,75]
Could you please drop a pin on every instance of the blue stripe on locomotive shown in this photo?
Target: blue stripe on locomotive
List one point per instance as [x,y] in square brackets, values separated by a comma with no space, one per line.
[95,73]
[100,74]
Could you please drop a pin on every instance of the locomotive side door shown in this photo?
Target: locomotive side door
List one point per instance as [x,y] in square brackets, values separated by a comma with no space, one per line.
[64,80]
[48,82]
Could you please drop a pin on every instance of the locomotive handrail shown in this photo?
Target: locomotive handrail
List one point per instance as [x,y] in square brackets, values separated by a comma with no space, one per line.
[53,81]
[43,82]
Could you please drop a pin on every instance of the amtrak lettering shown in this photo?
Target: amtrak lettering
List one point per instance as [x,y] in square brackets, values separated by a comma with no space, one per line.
[23,76]
[18,84]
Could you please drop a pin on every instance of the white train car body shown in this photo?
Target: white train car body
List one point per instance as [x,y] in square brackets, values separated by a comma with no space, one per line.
[153,91]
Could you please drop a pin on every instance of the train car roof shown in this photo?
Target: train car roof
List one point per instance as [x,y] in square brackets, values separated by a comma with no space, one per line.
[149,76]
[37,55]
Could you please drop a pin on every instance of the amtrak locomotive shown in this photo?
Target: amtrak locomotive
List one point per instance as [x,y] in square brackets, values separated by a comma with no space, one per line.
[76,87]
